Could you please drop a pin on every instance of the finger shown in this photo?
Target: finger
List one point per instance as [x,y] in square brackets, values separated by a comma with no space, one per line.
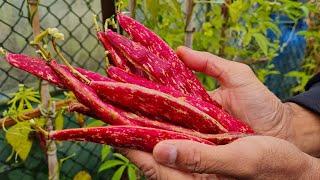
[223,70]
[231,160]
[150,168]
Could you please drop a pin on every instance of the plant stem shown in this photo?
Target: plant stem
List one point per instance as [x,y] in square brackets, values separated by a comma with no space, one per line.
[34,113]
[45,96]
[65,61]
[2,52]
[95,22]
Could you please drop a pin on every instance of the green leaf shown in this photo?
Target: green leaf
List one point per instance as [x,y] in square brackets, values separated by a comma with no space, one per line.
[23,97]
[40,122]
[79,118]
[18,137]
[274,28]
[247,39]
[33,98]
[110,164]
[118,174]
[131,173]
[105,151]
[96,123]
[59,121]
[262,42]
[39,37]
[120,156]
[82,175]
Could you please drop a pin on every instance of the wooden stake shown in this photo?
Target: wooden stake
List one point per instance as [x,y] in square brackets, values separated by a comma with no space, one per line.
[132,8]
[189,29]
[53,165]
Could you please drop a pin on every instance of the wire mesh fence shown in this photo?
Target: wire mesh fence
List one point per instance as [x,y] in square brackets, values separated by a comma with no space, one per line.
[74,19]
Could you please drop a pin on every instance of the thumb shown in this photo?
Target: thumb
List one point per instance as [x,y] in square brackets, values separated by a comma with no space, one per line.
[227,72]
[195,157]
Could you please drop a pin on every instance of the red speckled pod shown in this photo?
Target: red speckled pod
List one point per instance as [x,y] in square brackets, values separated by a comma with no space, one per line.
[157,46]
[87,96]
[145,122]
[117,58]
[118,74]
[42,70]
[158,104]
[229,122]
[157,69]
[134,137]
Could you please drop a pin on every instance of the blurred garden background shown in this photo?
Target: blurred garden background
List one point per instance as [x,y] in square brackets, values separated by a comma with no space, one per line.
[280,40]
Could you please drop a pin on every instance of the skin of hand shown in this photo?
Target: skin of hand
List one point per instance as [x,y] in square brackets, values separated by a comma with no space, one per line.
[253,157]
[244,96]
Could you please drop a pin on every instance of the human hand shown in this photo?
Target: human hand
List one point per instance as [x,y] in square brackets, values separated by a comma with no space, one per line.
[244,96]
[241,93]
[258,157]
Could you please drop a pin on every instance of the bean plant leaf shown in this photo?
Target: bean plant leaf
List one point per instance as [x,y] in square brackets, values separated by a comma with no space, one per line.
[59,120]
[120,156]
[82,175]
[23,98]
[105,151]
[131,173]
[118,174]
[95,123]
[110,164]
[18,137]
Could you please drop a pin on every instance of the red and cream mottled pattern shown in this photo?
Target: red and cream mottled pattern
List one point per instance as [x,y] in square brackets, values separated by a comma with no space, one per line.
[142,121]
[157,103]
[231,123]
[86,95]
[117,58]
[190,85]
[42,70]
[157,69]
[140,138]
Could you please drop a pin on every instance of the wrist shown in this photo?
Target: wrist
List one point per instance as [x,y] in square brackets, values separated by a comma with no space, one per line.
[303,128]
[283,128]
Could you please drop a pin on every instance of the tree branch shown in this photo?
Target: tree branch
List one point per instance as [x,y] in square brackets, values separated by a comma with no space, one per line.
[34,113]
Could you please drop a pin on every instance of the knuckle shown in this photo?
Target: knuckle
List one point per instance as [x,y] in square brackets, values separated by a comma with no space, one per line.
[246,68]
[195,162]
[150,170]
[207,61]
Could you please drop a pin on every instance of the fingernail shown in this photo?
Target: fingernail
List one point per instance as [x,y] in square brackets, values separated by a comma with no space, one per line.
[165,153]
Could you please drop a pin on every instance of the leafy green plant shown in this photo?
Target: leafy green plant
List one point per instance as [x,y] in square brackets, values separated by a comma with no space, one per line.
[311,64]
[264,72]
[18,135]
[235,30]
[302,78]
[117,161]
